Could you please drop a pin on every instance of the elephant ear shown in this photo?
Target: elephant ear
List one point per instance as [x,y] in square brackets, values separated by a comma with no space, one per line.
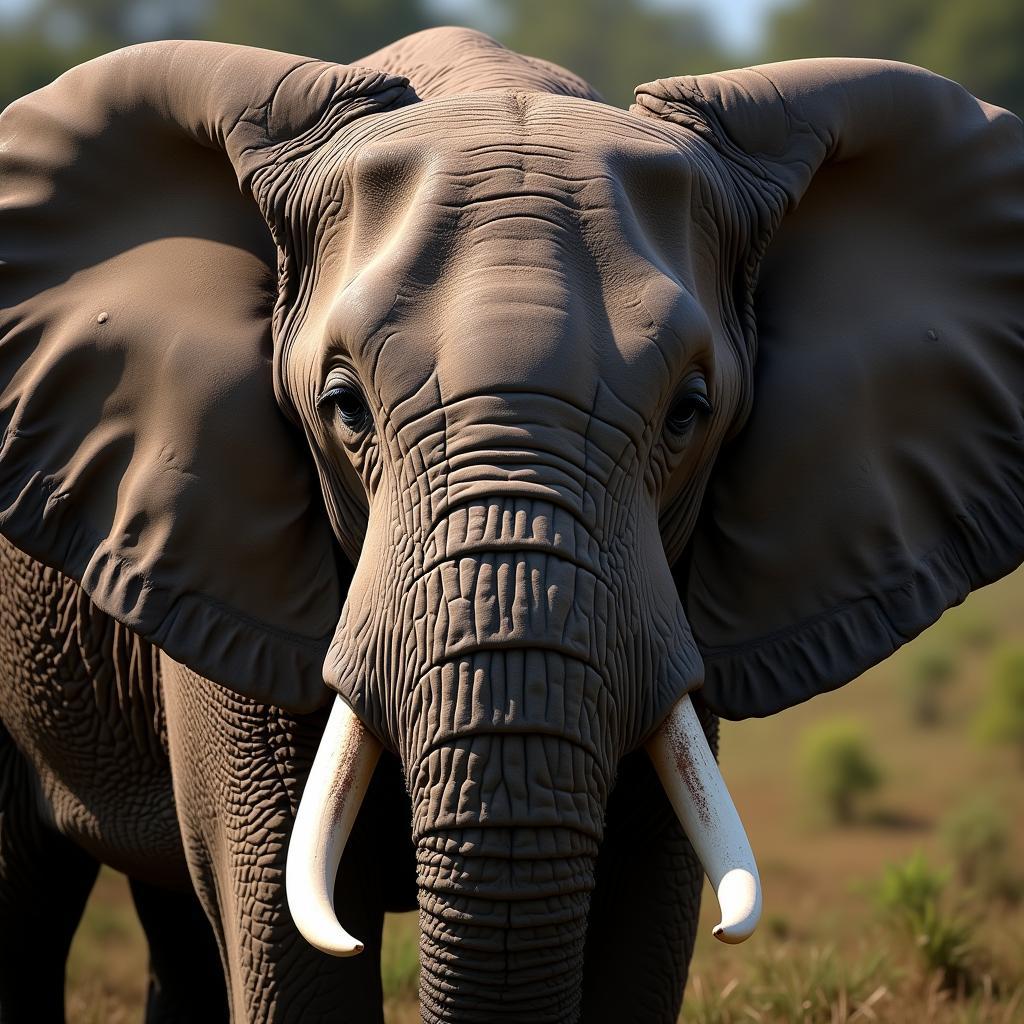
[143,452]
[880,475]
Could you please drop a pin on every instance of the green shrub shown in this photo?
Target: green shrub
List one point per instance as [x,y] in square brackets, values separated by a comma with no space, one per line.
[978,838]
[907,890]
[911,898]
[945,941]
[930,675]
[837,768]
[1001,718]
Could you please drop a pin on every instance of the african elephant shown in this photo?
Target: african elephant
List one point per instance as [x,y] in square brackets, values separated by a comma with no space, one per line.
[517,419]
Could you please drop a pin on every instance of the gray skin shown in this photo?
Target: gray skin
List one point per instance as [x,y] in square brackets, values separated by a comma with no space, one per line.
[115,765]
[581,891]
[513,332]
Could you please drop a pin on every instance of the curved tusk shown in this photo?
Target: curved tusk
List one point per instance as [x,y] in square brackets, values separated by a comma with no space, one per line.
[697,791]
[337,783]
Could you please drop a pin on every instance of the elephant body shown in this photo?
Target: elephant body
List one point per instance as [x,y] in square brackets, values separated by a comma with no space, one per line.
[105,758]
[529,434]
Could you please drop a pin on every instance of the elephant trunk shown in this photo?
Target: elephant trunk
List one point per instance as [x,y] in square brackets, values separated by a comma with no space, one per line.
[510,667]
[487,953]
[507,840]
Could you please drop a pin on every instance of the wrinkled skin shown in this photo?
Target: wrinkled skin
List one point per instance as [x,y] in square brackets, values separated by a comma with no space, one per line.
[512,553]
[513,331]
[519,500]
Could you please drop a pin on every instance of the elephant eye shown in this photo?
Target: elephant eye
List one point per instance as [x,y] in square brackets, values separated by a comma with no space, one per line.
[349,403]
[690,404]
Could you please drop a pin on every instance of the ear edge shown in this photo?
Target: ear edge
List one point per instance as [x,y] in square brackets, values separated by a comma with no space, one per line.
[213,639]
[761,676]
[253,657]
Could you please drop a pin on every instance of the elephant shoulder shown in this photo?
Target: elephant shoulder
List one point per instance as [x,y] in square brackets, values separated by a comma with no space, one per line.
[81,698]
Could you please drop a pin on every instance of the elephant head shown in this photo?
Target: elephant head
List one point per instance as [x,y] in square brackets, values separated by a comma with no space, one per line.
[601,406]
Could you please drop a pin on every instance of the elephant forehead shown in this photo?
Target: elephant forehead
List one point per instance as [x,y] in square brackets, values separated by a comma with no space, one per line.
[507,227]
[533,150]
[517,304]
[568,125]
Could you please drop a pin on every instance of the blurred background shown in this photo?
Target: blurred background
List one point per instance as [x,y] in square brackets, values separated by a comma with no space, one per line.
[887,816]
[615,44]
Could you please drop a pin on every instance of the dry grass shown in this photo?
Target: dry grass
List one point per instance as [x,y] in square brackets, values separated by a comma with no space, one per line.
[107,967]
[823,954]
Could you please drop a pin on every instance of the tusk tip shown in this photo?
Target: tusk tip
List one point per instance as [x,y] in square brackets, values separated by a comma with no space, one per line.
[316,922]
[732,935]
[350,947]
[340,945]
[739,896]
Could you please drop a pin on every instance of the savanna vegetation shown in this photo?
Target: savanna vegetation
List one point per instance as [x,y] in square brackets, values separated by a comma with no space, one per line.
[886,816]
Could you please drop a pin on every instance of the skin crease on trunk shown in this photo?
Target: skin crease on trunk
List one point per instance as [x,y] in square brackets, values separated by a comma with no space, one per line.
[477,340]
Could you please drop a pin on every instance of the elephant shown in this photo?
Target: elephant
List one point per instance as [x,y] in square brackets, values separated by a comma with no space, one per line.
[407,464]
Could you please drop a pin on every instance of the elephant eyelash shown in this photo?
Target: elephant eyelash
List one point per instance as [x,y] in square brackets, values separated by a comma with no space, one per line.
[691,404]
[347,400]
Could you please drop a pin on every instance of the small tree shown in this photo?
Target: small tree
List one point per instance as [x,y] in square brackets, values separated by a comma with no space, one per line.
[1001,719]
[838,768]
[911,898]
[977,835]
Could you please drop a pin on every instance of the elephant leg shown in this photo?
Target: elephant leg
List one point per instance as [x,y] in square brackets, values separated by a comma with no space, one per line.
[186,978]
[643,917]
[238,771]
[45,881]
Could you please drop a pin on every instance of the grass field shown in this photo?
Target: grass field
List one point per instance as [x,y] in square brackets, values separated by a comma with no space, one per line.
[825,952]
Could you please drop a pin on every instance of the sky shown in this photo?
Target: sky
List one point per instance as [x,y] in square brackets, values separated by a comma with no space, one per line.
[739,22]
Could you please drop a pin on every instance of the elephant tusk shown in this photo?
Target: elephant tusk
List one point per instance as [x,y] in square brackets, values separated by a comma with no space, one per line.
[697,791]
[337,783]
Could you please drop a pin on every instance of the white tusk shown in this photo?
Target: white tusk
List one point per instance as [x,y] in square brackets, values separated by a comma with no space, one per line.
[697,791]
[337,783]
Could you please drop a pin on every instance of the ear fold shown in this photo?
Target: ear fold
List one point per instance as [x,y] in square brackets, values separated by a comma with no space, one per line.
[143,452]
[880,476]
